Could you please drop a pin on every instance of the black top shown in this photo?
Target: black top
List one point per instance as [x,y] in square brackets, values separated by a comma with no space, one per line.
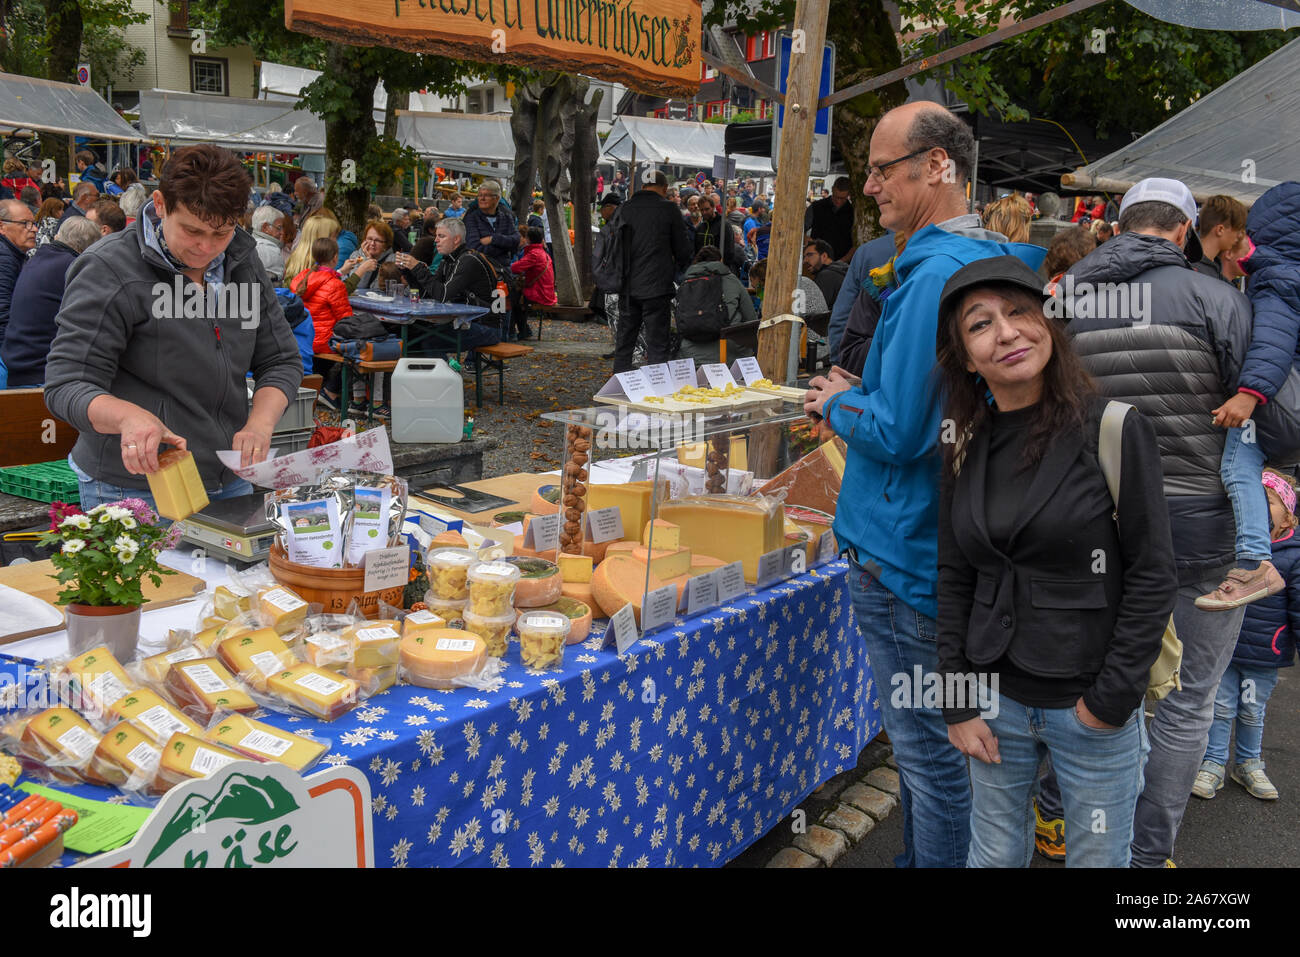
[823,221]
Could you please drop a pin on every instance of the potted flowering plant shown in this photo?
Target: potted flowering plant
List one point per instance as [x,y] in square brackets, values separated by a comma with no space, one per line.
[104,556]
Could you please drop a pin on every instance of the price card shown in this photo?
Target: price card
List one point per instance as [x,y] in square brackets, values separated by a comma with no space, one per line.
[543,533]
[717,376]
[731,581]
[660,381]
[660,608]
[387,568]
[796,559]
[771,568]
[681,372]
[826,546]
[701,593]
[622,626]
[747,370]
[635,386]
[603,524]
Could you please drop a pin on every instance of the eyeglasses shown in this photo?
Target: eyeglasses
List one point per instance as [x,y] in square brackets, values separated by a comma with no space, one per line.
[28,223]
[878,172]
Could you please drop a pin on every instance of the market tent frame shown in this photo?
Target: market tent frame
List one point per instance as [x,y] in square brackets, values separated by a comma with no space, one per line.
[232,122]
[30,103]
[1240,140]
[674,143]
[466,141]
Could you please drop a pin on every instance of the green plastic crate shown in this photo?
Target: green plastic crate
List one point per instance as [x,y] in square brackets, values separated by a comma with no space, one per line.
[44,482]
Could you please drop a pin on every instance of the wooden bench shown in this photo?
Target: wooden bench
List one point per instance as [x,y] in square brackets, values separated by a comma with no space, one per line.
[28,432]
[569,313]
[494,359]
[362,367]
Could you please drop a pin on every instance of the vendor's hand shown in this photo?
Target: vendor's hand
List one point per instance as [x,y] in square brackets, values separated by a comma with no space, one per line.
[252,442]
[142,433]
[485,241]
[819,390]
[1090,719]
[974,738]
[367,265]
[1233,413]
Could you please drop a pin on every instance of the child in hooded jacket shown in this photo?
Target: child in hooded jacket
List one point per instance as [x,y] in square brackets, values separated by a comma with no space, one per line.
[326,298]
[1267,643]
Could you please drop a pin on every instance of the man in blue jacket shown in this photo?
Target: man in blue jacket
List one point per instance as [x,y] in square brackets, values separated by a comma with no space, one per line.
[491,228]
[920,160]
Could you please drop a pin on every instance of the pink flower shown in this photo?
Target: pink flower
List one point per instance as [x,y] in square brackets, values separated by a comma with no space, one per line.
[141,510]
[173,536]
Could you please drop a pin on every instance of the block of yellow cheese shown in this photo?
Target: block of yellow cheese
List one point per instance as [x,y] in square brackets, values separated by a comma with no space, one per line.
[203,687]
[61,741]
[95,680]
[665,562]
[666,535]
[262,742]
[422,620]
[177,488]
[125,754]
[154,715]
[372,680]
[634,501]
[187,756]
[326,650]
[374,644]
[254,655]
[325,694]
[157,666]
[575,568]
[728,527]
[435,658]
[229,601]
[283,610]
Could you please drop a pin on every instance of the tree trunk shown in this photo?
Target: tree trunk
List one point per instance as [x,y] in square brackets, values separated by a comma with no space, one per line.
[562,97]
[392,185]
[63,28]
[348,136]
[582,183]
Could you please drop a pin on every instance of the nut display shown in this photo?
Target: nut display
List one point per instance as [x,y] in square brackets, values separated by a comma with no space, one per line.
[542,636]
[447,569]
[493,629]
[715,464]
[574,489]
[492,588]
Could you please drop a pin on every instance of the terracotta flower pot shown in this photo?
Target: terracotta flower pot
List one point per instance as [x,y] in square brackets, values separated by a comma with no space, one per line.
[117,626]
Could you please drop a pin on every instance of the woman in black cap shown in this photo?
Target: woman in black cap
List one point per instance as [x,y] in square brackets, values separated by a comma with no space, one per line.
[1052,595]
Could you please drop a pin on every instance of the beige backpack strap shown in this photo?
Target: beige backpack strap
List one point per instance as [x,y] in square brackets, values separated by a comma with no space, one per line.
[1110,446]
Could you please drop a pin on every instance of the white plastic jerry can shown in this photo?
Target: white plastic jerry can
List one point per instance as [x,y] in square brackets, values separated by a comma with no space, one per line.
[428,401]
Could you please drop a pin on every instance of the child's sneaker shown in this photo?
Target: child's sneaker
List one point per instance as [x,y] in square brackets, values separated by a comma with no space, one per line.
[1250,775]
[1241,587]
[1209,780]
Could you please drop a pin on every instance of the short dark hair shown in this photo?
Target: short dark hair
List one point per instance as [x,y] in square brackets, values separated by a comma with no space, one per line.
[821,245]
[708,254]
[51,191]
[1222,210]
[758,272]
[30,195]
[208,181]
[85,156]
[938,128]
[110,214]
[324,251]
[536,234]
[841,183]
[1151,215]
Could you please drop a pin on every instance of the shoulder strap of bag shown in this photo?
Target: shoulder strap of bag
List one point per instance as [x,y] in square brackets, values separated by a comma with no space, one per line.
[1110,446]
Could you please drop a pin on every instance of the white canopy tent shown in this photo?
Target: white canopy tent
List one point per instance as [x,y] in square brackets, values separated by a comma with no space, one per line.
[235,123]
[674,143]
[29,103]
[281,83]
[465,141]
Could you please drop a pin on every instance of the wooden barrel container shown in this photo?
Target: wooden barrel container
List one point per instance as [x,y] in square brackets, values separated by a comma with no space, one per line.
[335,588]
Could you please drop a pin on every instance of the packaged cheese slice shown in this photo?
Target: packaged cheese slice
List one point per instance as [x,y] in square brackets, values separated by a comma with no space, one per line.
[126,757]
[202,687]
[61,742]
[324,649]
[187,756]
[318,692]
[374,644]
[231,600]
[255,655]
[436,658]
[281,608]
[422,620]
[154,715]
[156,667]
[262,742]
[176,487]
[371,681]
[95,680]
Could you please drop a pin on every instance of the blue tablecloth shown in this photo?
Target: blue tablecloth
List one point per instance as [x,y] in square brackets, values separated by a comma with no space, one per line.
[683,752]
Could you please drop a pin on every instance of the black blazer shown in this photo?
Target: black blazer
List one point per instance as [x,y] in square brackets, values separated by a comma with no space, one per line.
[1072,595]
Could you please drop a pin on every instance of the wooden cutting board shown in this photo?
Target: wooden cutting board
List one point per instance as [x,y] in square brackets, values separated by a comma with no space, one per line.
[34,579]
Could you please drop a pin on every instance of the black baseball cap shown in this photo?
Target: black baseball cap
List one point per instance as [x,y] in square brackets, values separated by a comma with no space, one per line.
[997,271]
[610,199]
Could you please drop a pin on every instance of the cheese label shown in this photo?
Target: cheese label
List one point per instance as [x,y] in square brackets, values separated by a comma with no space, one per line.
[106,688]
[452,556]
[731,581]
[496,570]
[326,642]
[604,524]
[206,761]
[378,633]
[319,683]
[264,743]
[454,644]
[267,662]
[546,620]
[282,600]
[161,722]
[701,593]
[78,742]
[423,617]
[145,757]
[207,680]
[749,368]
[188,653]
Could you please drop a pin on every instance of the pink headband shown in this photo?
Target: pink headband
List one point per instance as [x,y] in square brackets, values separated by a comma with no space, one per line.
[1283,488]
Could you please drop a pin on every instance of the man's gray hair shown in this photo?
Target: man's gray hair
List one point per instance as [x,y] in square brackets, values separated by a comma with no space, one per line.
[133,199]
[312,188]
[83,190]
[945,130]
[12,207]
[491,185]
[453,226]
[78,233]
[401,212]
[265,215]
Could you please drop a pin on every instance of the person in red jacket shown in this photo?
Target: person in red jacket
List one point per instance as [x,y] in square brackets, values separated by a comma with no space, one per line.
[326,298]
[539,278]
[16,177]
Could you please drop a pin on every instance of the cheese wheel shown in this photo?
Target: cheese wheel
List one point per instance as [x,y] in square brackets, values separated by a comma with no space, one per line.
[187,756]
[595,551]
[203,687]
[436,657]
[539,582]
[125,754]
[95,680]
[262,742]
[619,580]
[153,715]
[374,644]
[318,692]
[579,615]
[283,610]
[61,741]
[510,518]
[157,666]
[255,655]
[545,500]
[581,591]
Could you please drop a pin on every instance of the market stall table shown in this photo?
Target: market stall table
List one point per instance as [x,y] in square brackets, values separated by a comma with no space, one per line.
[422,322]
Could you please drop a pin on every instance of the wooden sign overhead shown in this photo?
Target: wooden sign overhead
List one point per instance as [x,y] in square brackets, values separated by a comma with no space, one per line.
[652,46]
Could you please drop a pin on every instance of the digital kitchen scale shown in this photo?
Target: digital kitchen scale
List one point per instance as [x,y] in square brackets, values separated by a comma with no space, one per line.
[234,528]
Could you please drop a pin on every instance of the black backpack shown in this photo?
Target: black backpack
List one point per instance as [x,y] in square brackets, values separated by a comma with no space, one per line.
[701,312]
[609,272]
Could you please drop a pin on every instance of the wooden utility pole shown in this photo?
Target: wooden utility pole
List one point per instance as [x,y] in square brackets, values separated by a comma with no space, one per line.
[785,251]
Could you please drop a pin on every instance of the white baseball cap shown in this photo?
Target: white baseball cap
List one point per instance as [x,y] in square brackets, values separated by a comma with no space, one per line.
[1157,190]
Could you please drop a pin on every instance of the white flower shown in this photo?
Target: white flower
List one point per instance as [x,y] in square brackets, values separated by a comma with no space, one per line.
[75,521]
[97,509]
[73,545]
[128,522]
[126,543]
[116,513]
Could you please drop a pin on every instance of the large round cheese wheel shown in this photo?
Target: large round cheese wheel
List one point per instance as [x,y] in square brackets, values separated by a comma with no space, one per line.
[621,579]
[539,582]
[435,657]
[580,591]
[579,615]
[545,500]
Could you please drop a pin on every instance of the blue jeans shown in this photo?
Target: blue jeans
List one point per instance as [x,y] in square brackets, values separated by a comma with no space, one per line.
[1240,470]
[94,492]
[1100,775]
[1243,694]
[934,786]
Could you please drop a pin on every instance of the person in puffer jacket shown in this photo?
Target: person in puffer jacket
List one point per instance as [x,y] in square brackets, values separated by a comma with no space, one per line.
[326,298]
[1272,263]
[1267,643]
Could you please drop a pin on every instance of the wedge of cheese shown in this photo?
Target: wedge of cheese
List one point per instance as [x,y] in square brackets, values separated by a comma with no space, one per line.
[154,715]
[664,562]
[813,481]
[262,742]
[95,680]
[374,644]
[61,741]
[229,601]
[325,694]
[539,581]
[203,687]
[255,655]
[187,756]
[371,681]
[125,754]
[157,666]
[434,659]
[728,527]
[666,535]
[326,650]
[281,608]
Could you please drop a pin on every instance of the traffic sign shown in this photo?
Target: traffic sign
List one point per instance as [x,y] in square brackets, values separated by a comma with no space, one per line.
[821,150]
[83,74]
